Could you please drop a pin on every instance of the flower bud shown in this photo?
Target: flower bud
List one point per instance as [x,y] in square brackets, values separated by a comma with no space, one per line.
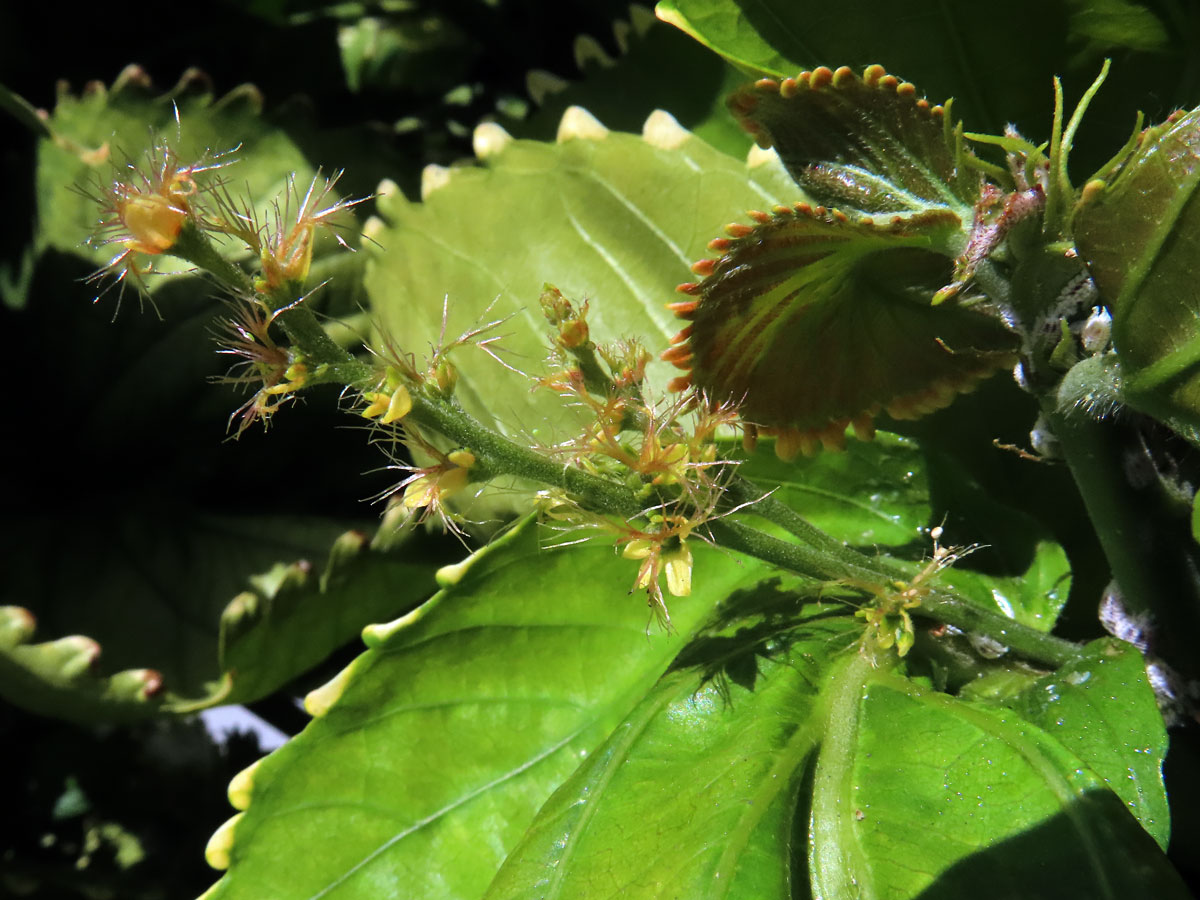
[152,221]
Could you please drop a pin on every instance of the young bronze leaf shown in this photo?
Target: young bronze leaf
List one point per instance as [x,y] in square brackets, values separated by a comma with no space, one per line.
[1140,236]
[811,321]
[866,143]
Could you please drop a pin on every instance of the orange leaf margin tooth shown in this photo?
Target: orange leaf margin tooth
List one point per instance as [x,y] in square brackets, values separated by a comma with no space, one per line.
[683,335]
[864,427]
[833,435]
[679,383]
[684,309]
[679,356]
[738,230]
[688,287]
[720,244]
[749,437]
[704,267]
[822,76]
[759,216]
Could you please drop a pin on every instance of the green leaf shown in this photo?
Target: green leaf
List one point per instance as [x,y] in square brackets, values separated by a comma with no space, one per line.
[1101,708]
[944,799]
[603,215]
[866,143]
[945,48]
[810,298]
[1139,232]
[801,755]
[293,619]
[411,49]
[873,494]
[1035,598]
[182,651]
[726,29]
[168,574]
[432,751]
[695,793]
[59,677]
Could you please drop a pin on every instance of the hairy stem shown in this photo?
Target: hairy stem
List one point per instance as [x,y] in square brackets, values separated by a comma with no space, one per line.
[194,246]
[820,556]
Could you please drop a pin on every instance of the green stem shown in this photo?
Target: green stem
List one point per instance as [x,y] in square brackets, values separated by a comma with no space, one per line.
[1152,556]
[1027,642]
[193,246]
[820,556]
[795,558]
[939,605]
[743,492]
[327,360]
[497,455]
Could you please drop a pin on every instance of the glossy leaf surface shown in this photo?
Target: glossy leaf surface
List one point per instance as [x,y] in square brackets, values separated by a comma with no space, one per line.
[1096,706]
[697,791]
[942,798]
[1034,598]
[603,215]
[875,494]
[434,749]
[835,777]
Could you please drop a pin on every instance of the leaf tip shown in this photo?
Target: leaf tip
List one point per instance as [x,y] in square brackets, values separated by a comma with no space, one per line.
[143,684]
[448,576]
[578,123]
[540,84]
[643,18]
[1092,190]
[589,50]
[17,626]
[662,130]
[433,177]
[377,635]
[489,139]
[346,548]
[389,197]
[220,845]
[241,607]
[372,230]
[241,785]
[79,655]
[319,701]
[761,156]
